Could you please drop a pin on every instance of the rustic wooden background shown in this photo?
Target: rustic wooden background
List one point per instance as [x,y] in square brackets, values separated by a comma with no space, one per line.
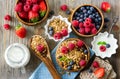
[9,37]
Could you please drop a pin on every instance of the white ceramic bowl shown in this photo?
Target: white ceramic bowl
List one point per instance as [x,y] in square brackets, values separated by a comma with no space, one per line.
[63,19]
[102,37]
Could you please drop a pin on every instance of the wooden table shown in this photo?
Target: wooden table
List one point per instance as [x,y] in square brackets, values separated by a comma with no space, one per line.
[9,37]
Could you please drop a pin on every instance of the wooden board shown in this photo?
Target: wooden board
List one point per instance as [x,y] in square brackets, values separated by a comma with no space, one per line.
[9,37]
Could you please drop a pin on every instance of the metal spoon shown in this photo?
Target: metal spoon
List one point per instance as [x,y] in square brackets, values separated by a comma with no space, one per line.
[115,19]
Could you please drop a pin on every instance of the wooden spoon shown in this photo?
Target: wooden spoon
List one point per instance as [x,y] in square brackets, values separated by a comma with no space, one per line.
[45,57]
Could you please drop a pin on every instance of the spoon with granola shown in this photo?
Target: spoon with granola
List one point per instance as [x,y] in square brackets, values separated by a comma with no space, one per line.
[41,50]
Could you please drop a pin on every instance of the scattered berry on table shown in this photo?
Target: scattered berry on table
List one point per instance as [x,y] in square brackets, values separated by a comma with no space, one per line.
[6,26]
[68,12]
[105,6]
[64,50]
[7,17]
[71,46]
[52,12]
[40,48]
[106,19]
[64,7]
[102,48]
[82,63]
[107,45]
[95,64]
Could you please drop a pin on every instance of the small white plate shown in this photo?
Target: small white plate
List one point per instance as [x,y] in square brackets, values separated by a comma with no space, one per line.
[102,37]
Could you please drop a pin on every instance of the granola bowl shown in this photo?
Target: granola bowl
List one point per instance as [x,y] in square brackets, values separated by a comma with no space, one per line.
[58,28]
[72,54]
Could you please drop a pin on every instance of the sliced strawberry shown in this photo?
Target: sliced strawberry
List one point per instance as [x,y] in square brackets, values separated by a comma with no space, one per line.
[33,16]
[100,72]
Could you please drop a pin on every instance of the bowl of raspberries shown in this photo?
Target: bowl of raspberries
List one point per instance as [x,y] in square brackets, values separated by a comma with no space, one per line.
[87,20]
[31,12]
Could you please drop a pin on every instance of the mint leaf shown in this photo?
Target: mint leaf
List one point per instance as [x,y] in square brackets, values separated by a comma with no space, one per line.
[99,43]
[104,43]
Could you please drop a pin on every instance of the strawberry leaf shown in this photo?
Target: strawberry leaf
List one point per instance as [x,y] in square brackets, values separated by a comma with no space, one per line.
[99,43]
[104,43]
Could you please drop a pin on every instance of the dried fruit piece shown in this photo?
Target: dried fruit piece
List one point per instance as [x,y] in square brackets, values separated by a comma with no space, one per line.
[100,72]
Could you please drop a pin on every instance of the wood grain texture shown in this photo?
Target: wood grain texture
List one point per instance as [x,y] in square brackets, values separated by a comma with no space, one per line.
[9,37]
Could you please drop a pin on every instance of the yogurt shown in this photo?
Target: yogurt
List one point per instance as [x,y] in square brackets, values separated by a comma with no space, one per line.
[17,55]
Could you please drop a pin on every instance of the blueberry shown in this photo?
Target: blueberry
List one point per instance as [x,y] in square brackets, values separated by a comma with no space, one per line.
[107,45]
[93,14]
[85,51]
[105,26]
[89,12]
[51,32]
[87,7]
[99,18]
[69,67]
[86,15]
[76,13]
[68,12]
[80,20]
[96,20]
[106,19]
[71,62]
[82,8]
[84,11]
[90,70]
[74,18]
[97,26]
[52,12]
[50,28]
[85,18]
[90,16]
[92,9]
[81,16]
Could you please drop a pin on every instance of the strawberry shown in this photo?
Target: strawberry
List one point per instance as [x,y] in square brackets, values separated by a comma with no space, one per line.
[43,8]
[33,16]
[100,72]
[20,31]
[105,6]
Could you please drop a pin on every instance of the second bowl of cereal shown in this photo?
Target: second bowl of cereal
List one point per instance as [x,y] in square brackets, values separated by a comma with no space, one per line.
[58,28]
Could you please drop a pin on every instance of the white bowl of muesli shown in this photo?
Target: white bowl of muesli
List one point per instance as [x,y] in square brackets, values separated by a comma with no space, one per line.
[72,54]
[58,28]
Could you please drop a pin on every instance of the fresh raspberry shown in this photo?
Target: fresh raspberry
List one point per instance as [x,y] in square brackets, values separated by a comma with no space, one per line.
[26,8]
[64,7]
[94,31]
[28,2]
[87,24]
[71,46]
[92,26]
[102,48]
[40,48]
[58,36]
[82,63]
[80,43]
[95,64]
[64,50]
[88,19]
[34,1]
[82,31]
[7,26]
[64,32]
[23,15]
[18,7]
[7,17]
[87,30]
[75,23]
[81,25]
[35,8]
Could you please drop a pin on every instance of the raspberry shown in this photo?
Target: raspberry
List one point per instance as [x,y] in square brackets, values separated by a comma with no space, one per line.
[26,8]
[82,31]
[95,64]
[102,48]
[71,46]
[80,43]
[64,32]
[18,7]
[92,25]
[64,50]
[81,25]
[82,63]
[28,2]
[64,7]
[88,19]
[87,24]
[23,15]
[35,8]
[7,17]
[58,36]
[34,1]
[7,26]
[75,23]
[40,48]
[94,31]
[87,30]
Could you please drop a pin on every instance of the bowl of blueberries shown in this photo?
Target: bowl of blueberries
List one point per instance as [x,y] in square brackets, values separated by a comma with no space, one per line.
[87,20]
